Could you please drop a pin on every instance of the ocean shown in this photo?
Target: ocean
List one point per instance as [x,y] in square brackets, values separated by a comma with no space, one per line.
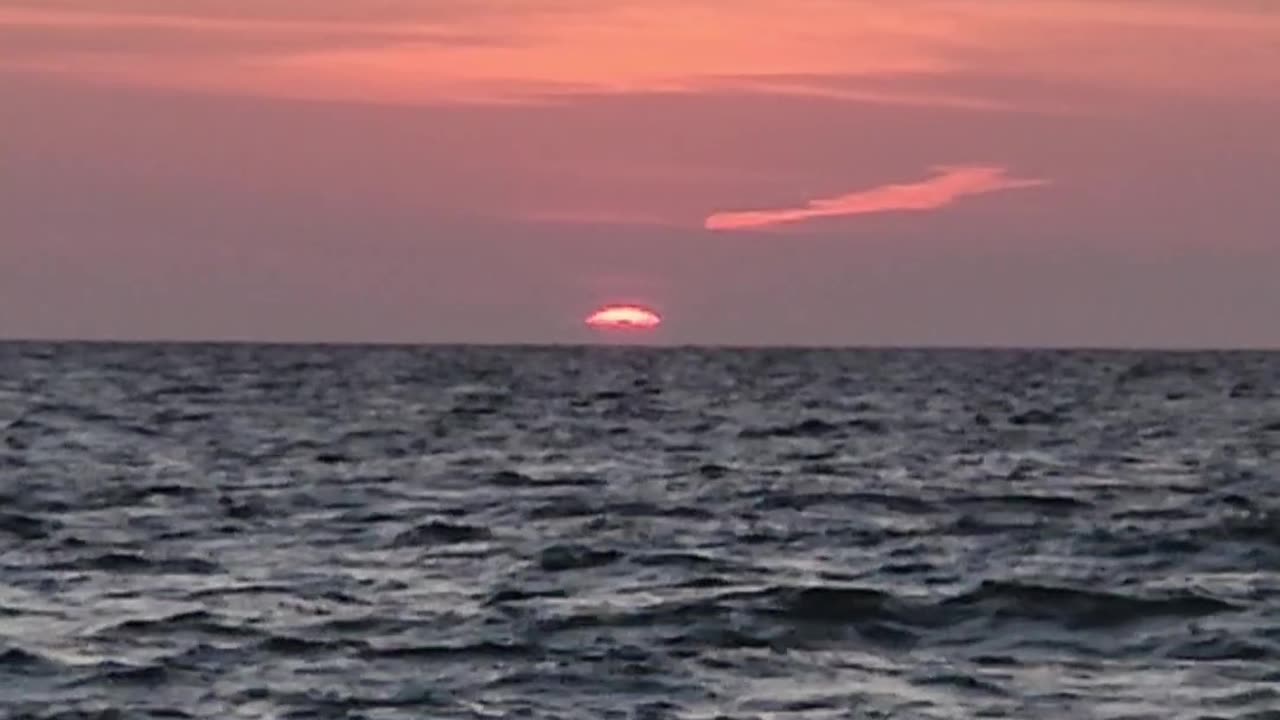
[240,531]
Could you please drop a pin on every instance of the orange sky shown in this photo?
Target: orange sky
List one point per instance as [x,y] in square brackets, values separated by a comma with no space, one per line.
[588,145]
[463,50]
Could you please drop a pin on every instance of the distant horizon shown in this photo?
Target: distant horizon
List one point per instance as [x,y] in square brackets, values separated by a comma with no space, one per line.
[603,345]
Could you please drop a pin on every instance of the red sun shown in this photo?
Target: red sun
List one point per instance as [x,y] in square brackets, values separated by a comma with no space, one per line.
[624,317]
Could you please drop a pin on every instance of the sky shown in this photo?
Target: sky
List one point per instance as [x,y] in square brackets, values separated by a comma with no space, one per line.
[759,172]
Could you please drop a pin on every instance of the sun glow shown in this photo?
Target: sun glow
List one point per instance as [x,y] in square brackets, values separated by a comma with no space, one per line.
[624,317]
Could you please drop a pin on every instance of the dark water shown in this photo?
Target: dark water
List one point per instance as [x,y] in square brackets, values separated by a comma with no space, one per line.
[261,532]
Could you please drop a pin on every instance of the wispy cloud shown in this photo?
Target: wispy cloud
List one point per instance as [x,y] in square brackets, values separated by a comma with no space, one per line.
[947,186]
[840,89]
[465,50]
[20,17]
[857,51]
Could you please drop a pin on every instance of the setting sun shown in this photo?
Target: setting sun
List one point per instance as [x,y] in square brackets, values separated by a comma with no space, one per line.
[624,317]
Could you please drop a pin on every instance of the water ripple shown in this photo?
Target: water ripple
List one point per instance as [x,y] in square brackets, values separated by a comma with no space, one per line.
[244,531]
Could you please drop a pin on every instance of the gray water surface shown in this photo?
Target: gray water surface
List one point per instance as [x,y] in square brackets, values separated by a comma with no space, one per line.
[294,532]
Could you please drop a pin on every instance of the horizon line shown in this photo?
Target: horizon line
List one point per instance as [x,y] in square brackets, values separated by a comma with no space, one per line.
[552,345]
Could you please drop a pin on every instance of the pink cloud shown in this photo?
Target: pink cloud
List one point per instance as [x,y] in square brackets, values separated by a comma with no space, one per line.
[948,185]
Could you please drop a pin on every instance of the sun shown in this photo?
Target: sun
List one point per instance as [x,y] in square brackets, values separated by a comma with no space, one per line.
[624,317]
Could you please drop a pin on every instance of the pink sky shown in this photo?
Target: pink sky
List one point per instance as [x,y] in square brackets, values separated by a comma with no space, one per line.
[1061,172]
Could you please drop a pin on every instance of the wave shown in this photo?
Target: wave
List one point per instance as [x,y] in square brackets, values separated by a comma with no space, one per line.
[558,558]
[899,619]
[300,646]
[871,500]
[513,479]
[124,562]
[1223,647]
[16,660]
[27,527]
[116,674]
[483,649]
[438,532]
[814,428]
[199,622]
[1082,609]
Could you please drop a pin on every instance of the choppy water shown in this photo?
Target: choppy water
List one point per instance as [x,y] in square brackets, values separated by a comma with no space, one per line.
[267,532]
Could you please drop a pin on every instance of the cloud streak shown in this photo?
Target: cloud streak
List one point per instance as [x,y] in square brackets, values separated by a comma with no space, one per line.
[530,51]
[947,186]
